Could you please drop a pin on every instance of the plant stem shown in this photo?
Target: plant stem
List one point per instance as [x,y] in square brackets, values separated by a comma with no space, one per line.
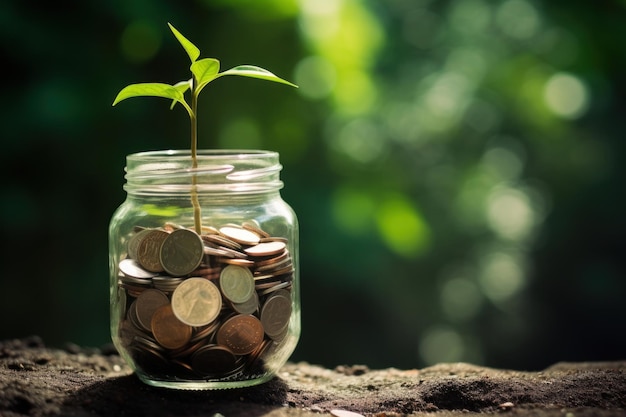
[197,217]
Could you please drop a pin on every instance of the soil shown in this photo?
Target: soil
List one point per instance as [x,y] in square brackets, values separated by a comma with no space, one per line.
[39,381]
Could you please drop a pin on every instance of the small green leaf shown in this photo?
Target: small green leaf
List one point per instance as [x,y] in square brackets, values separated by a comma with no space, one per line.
[181,86]
[191,49]
[153,90]
[255,72]
[149,89]
[205,71]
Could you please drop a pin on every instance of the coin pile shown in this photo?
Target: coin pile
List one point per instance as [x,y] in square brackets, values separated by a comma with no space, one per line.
[208,306]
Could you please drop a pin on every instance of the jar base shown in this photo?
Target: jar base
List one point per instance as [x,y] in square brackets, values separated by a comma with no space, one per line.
[202,385]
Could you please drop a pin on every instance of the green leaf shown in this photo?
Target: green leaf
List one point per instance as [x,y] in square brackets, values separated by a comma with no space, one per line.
[205,71]
[191,49]
[255,72]
[181,86]
[153,90]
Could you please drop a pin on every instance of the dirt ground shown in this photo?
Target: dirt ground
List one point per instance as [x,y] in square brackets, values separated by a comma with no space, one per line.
[76,382]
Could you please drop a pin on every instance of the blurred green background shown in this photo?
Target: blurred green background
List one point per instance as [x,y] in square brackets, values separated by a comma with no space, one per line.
[457,166]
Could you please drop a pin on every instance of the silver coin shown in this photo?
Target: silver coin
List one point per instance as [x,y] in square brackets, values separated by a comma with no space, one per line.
[131,268]
[276,312]
[247,307]
[196,301]
[134,241]
[181,252]
[237,283]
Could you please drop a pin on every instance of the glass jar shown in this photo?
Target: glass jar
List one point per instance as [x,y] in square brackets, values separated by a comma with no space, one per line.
[203,258]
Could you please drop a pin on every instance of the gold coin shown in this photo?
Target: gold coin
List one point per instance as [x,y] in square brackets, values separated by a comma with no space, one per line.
[181,252]
[240,235]
[149,250]
[237,283]
[241,334]
[196,301]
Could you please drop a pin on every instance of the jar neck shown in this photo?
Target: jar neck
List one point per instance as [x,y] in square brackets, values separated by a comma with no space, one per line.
[216,173]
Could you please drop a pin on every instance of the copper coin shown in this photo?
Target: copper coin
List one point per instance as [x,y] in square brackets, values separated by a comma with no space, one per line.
[221,241]
[149,250]
[276,312]
[209,230]
[240,235]
[235,261]
[268,263]
[213,360]
[196,301]
[168,331]
[181,252]
[266,249]
[254,227]
[241,334]
[147,303]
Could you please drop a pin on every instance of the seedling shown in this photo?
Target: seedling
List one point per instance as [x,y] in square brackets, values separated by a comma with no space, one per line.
[203,71]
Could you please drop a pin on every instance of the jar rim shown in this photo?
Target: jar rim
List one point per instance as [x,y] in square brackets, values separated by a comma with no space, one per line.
[202,153]
[240,171]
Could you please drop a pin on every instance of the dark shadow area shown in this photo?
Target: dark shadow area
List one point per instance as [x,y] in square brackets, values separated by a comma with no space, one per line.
[127,395]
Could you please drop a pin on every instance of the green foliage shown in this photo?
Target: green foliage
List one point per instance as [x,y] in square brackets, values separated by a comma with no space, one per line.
[203,71]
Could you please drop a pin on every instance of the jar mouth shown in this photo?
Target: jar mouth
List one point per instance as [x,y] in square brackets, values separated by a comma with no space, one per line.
[217,171]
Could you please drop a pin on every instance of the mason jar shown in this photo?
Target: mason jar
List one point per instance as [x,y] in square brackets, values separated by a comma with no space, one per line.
[204,278]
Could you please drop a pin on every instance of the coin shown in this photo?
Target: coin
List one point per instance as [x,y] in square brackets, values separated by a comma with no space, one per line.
[131,268]
[276,312]
[241,334]
[209,230]
[237,283]
[196,301]
[269,263]
[166,283]
[240,235]
[213,360]
[221,242]
[247,307]
[147,303]
[254,227]
[266,249]
[168,331]
[149,250]
[270,289]
[235,261]
[134,241]
[181,252]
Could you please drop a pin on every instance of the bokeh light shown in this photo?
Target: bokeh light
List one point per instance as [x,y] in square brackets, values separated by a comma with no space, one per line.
[456,165]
